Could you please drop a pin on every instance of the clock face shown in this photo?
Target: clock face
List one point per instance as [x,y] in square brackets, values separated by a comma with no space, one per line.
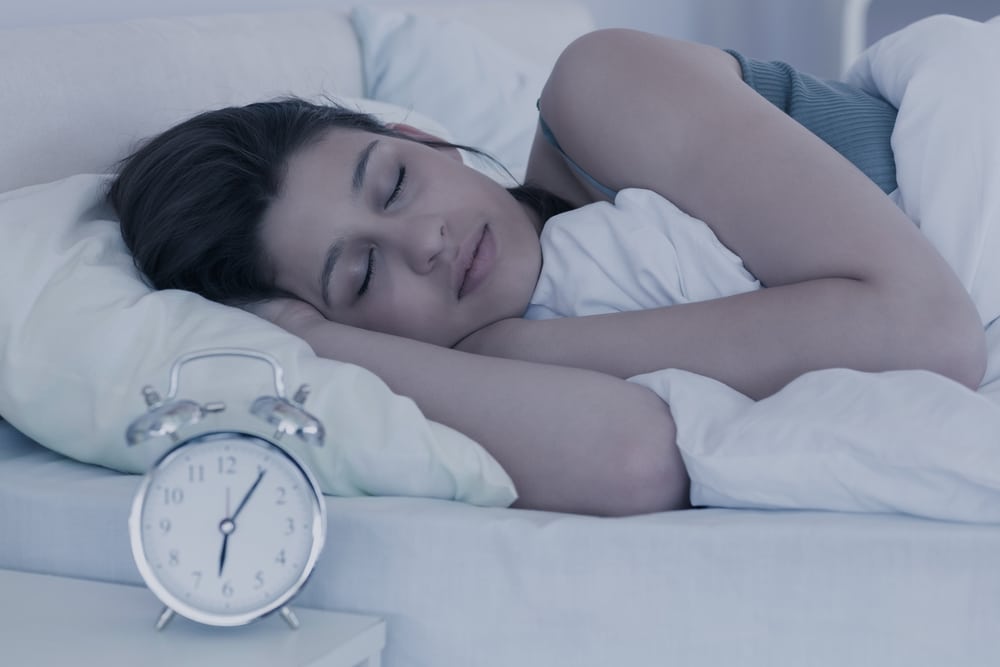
[226,528]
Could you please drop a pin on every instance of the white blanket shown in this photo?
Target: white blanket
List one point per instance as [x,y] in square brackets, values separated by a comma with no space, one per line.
[909,441]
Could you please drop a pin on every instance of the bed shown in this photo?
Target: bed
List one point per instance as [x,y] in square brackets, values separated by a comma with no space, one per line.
[460,578]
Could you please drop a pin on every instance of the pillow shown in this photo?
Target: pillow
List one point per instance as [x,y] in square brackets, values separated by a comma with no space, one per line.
[484,92]
[81,333]
[389,113]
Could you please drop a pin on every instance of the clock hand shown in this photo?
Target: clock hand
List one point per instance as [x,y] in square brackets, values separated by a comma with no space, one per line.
[228,525]
[222,556]
[225,527]
[243,502]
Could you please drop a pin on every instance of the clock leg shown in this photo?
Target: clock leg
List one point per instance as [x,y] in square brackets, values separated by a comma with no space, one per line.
[290,618]
[164,618]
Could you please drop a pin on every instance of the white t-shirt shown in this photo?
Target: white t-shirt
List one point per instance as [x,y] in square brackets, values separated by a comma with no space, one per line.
[639,252]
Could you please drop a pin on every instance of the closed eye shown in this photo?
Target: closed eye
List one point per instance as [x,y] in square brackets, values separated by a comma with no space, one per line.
[398,189]
[369,273]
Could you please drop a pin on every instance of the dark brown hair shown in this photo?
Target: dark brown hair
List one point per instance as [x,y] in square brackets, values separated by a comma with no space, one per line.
[190,201]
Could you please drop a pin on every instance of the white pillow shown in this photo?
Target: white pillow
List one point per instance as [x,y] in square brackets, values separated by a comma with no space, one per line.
[482,91]
[389,113]
[81,334]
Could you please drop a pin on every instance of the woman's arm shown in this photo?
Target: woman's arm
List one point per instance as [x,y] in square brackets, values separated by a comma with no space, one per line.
[852,283]
[572,440]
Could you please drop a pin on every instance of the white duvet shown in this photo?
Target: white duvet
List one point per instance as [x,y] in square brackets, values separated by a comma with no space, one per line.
[907,441]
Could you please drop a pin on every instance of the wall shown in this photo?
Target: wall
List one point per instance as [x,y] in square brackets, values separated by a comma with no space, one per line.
[885,16]
[806,33]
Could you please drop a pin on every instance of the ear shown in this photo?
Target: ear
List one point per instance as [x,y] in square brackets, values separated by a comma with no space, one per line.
[417,134]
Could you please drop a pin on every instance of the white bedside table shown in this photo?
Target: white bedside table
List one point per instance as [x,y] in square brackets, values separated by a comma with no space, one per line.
[47,620]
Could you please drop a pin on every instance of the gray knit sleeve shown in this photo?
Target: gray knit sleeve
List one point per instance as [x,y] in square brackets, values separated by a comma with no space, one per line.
[855,123]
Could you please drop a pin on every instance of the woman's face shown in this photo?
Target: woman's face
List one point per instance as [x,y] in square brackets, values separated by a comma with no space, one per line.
[390,235]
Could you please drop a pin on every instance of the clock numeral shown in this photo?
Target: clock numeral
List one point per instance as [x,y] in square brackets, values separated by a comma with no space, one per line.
[227,589]
[197,577]
[290,528]
[227,465]
[173,496]
[281,496]
[258,580]
[174,557]
[281,557]
[196,473]
[164,525]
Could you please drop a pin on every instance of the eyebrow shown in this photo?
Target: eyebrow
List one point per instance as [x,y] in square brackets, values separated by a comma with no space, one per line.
[336,248]
[361,168]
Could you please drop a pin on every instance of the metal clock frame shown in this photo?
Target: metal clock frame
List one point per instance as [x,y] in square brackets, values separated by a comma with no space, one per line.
[148,572]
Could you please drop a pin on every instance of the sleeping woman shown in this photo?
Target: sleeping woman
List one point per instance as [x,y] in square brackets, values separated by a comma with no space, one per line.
[379,247]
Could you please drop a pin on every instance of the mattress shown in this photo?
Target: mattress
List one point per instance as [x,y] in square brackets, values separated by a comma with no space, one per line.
[462,585]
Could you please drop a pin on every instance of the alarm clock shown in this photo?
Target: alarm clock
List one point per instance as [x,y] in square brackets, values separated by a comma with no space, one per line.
[227,525]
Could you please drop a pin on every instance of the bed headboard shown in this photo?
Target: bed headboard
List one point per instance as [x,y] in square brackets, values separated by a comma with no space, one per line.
[75,98]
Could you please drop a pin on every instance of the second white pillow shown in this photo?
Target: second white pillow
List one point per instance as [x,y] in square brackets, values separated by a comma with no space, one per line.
[483,92]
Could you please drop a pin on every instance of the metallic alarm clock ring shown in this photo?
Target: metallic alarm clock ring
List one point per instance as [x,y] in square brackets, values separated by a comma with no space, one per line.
[227,525]
[167,416]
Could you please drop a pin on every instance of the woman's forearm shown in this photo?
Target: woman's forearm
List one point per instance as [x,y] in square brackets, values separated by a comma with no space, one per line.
[758,341]
[572,440]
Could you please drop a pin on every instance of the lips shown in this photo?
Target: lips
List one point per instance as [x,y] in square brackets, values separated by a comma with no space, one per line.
[476,262]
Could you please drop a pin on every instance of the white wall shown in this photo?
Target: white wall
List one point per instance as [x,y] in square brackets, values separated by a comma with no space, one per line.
[885,16]
[805,33]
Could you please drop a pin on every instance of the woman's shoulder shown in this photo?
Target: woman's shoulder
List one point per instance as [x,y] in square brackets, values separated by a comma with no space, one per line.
[595,106]
[553,162]
[610,60]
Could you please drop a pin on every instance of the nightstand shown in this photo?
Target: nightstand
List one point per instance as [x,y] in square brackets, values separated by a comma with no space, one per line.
[48,620]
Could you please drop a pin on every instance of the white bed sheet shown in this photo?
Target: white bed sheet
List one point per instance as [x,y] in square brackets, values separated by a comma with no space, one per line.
[467,586]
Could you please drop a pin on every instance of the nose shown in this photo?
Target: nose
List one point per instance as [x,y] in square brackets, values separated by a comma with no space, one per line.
[425,242]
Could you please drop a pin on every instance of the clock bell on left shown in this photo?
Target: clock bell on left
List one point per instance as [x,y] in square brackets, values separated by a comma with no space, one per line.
[227,525]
